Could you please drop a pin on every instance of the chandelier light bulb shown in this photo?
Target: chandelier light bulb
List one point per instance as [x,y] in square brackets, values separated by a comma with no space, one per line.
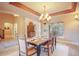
[46,15]
[48,18]
[41,17]
[16,15]
[76,16]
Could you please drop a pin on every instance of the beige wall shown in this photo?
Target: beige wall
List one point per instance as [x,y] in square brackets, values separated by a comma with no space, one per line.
[19,20]
[71,27]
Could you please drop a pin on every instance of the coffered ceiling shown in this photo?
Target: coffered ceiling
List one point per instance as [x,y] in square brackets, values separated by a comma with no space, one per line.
[53,8]
[36,8]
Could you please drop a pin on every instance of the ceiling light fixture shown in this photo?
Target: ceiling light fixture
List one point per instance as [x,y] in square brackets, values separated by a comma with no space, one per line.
[16,15]
[45,17]
[77,16]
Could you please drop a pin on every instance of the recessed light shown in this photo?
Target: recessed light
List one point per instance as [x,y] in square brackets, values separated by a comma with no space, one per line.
[16,15]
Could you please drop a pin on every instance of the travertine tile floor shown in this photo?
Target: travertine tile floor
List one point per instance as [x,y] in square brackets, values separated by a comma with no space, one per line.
[62,49]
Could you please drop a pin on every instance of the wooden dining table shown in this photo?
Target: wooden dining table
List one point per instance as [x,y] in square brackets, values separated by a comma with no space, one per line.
[38,43]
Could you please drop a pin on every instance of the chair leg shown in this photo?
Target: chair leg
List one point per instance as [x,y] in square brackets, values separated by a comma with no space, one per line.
[55,42]
[50,51]
[19,54]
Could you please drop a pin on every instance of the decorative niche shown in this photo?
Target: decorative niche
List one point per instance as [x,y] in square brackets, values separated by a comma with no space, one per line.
[30,30]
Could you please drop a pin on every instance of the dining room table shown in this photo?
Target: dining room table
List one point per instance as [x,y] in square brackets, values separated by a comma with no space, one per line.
[38,42]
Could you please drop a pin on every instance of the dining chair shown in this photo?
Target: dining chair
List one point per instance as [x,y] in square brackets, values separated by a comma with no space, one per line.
[49,46]
[23,48]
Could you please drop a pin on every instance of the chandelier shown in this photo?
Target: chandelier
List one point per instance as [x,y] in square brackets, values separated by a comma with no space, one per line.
[45,17]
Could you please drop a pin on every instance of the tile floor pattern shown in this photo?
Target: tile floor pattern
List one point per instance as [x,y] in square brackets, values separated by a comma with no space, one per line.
[61,50]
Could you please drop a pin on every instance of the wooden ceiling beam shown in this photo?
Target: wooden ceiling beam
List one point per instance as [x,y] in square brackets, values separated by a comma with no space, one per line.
[72,9]
[24,7]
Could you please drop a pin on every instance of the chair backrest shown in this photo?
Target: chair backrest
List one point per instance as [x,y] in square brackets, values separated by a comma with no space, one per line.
[22,45]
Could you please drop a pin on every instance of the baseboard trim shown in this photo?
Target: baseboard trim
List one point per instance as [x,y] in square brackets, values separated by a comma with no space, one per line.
[67,41]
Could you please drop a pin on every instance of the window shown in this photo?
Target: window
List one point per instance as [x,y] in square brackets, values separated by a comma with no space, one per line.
[57,28]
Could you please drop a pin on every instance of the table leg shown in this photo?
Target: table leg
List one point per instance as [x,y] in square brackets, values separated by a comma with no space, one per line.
[55,42]
[38,50]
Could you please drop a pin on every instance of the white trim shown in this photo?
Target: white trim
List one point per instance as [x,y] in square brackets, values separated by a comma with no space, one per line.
[74,43]
[62,37]
[68,41]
